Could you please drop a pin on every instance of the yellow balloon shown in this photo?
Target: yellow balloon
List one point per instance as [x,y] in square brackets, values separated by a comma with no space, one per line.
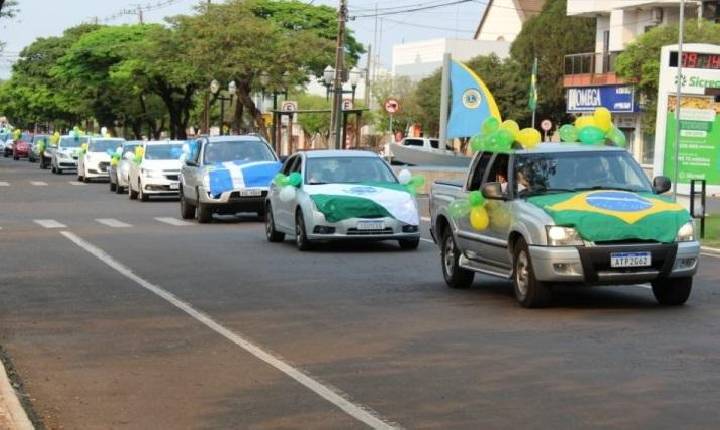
[511,126]
[585,121]
[84,146]
[603,119]
[479,219]
[529,138]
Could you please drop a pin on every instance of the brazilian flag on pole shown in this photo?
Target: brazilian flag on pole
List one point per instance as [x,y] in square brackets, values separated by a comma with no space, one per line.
[532,98]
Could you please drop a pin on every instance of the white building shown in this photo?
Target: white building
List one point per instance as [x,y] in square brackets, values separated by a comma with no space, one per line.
[590,78]
[420,59]
[503,19]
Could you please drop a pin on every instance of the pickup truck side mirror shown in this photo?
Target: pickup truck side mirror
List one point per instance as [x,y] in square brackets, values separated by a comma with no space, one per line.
[493,191]
[661,184]
[191,163]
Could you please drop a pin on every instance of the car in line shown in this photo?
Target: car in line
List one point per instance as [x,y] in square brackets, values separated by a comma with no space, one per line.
[65,155]
[38,141]
[565,214]
[21,146]
[94,162]
[6,145]
[156,172]
[341,195]
[119,173]
[226,175]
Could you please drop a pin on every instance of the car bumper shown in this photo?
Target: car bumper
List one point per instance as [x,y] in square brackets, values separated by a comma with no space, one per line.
[318,228]
[160,186]
[231,202]
[66,163]
[97,170]
[591,264]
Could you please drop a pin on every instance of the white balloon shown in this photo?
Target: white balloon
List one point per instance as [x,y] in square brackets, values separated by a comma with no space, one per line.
[404,176]
[288,193]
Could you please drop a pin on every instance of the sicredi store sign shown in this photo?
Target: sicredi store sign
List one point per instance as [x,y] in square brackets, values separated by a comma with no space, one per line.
[615,98]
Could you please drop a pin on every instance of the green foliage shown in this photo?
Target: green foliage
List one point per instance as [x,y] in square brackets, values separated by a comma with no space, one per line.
[640,61]
[314,123]
[404,90]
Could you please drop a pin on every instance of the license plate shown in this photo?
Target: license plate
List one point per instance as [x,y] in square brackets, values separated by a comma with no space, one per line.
[250,193]
[174,186]
[630,259]
[370,225]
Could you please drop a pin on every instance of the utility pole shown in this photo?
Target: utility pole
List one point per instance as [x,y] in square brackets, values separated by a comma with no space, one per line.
[336,115]
[140,14]
[678,97]
[367,77]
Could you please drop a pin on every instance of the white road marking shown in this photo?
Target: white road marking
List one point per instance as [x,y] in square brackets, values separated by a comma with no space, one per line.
[112,222]
[424,218]
[426,240]
[78,184]
[49,223]
[709,254]
[4,184]
[329,393]
[38,183]
[173,221]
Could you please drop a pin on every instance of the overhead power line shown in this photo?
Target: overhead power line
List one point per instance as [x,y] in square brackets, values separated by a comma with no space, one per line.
[414,9]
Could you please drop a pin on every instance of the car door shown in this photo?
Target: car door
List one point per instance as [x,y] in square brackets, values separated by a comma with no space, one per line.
[284,216]
[191,173]
[468,237]
[494,243]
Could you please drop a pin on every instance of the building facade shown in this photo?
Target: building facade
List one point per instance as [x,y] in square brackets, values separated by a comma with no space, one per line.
[590,80]
[503,19]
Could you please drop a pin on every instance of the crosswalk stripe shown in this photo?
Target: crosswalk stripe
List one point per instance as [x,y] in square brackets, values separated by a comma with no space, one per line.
[4,184]
[112,222]
[38,183]
[49,223]
[78,184]
[173,221]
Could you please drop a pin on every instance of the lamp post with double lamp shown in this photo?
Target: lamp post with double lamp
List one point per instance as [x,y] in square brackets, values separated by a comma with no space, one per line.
[335,86]
[264,83]
[215,89]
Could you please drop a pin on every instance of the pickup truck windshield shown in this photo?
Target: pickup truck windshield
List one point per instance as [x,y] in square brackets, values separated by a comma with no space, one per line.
[578,171]
[238,150]
[103,145]
[170,151]
[347,170]
[71,142]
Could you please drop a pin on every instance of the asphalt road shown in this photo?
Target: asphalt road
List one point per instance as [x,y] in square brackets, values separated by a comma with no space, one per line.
[135,323]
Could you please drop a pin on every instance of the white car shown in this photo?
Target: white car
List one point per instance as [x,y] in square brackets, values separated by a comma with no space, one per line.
[65,156]
[157,172]
[95,162]
[119,173]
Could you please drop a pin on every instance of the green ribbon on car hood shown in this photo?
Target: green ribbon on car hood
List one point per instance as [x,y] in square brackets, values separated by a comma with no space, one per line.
[607,215]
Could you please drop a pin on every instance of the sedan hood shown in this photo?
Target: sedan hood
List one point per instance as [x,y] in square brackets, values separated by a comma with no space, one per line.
[161,164]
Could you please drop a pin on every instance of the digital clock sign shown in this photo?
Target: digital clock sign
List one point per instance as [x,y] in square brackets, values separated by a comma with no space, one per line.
[696,60]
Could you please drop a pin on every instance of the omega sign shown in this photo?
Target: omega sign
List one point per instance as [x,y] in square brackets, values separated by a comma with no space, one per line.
[614,98]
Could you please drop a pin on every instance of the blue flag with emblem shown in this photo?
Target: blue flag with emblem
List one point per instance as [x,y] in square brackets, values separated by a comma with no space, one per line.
[236,175]
[472,102]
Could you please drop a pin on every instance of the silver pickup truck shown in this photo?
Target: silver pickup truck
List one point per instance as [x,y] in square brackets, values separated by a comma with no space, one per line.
[566,214]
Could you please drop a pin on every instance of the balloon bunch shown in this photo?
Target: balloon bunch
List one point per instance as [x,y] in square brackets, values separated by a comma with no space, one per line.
[413,183]
[55,138]
[17,134]
[76,133]
[593,129]
[83,149]
[115,156]
[41,146]
[500,136]
[474,206]
[139,152]
[288,185]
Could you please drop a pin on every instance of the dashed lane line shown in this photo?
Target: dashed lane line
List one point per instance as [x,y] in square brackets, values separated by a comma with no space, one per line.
[333,395]
[38,183]
[112,222]
[173,221]
[424,218]
[77,184]
[4,184]
[49,223]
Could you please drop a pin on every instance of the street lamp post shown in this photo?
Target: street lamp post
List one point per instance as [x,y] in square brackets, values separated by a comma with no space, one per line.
[339,119]
[355,76]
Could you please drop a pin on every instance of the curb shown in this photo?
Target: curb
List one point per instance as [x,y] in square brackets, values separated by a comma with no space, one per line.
[10,407]
[711,250]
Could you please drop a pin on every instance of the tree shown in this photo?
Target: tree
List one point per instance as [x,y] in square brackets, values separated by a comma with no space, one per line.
[550,36]
[640,61]
[314,124]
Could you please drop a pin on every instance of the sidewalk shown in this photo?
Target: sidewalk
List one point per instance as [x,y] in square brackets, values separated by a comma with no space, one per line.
[12,415]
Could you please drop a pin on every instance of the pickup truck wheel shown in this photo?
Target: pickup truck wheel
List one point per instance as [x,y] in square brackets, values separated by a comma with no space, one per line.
[187,211]
[301,239]
[409,244]
[455,276]
[271,233]
[672,291]
[204,213]
[529,292]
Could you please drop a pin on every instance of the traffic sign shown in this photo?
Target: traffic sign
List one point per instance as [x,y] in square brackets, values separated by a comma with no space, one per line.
[347,104]
[392,106]
[546,124]
[289,106]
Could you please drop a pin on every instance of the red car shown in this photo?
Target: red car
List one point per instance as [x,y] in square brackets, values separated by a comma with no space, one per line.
[20,149]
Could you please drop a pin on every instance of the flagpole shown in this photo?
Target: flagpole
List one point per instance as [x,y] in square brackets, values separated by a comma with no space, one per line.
[444,94]
[533,90]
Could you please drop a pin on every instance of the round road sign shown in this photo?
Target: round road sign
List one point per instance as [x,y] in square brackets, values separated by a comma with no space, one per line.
[392,106]
[546,124]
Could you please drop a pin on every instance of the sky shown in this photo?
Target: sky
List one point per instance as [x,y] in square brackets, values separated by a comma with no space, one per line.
[42,18]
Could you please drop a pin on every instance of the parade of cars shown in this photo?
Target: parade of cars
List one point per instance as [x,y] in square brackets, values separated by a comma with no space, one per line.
[94,160]
[155,170]
[65,155]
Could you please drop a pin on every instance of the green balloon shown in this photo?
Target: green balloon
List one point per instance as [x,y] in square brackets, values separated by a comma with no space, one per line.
[459,208]
[295,179]
[616,136]
[477,143]
[505,139]
[490,125]
[591,135]
[476,198]
[417,181]
[568,133]
[280,180]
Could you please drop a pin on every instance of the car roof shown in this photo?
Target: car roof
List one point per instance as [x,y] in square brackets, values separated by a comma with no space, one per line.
[554,147]
[333,153]
[235,138]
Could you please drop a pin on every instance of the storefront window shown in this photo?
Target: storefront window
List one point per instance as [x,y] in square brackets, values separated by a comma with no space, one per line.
[648,148]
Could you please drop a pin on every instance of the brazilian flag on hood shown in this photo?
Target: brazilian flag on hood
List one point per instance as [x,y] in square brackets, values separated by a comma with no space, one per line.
[615,215]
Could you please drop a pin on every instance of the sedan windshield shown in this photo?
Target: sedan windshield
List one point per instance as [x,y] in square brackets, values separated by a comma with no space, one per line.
[129,148]
[238,150]
[72,142]
[578,171]
[170,151]
[103,145]
[347,170]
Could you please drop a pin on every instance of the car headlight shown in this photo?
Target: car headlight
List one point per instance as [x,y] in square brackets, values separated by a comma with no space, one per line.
[686,232]
[563,236]
[150,173]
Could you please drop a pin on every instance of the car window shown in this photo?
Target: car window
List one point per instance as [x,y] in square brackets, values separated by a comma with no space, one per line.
[413,142]
[170,151]
[478,171]
[287,167]
[347,170]
[434,143]
[498,171]
[72,142]
[103,145]
[129,148]
[237,150]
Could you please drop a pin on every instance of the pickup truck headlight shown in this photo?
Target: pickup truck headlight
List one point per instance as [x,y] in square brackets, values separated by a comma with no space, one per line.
[686,232]
[563,236]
